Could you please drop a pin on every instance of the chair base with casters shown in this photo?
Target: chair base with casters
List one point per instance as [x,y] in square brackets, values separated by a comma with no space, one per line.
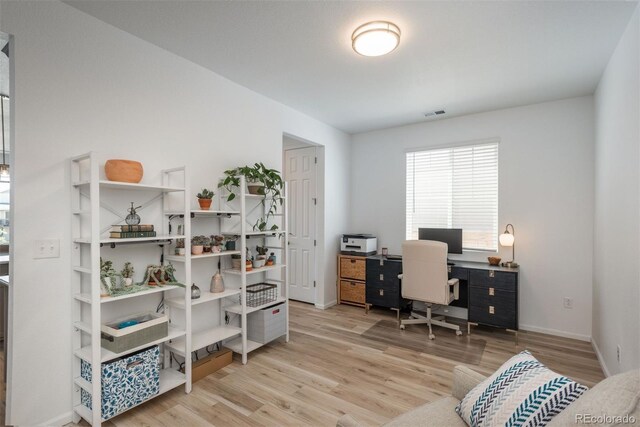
[419,319]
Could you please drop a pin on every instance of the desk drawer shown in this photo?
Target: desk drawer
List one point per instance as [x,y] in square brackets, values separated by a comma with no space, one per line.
[382,295]
[458,273]
[493,306]
[352,291]
[352,268]
[495,279]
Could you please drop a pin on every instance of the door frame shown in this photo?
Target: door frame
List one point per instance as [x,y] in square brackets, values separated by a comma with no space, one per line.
[292,142]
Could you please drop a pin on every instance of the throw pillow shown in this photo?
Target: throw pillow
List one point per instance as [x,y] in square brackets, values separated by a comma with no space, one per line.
[523,392]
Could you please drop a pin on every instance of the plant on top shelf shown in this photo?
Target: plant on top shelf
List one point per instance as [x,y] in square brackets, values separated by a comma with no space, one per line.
[204,199]
[260,180]
[127,273]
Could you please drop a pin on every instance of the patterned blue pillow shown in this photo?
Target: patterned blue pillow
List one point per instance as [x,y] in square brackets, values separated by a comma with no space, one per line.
[523,392]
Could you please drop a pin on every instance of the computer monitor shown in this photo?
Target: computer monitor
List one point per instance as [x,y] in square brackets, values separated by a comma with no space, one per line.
[450,236]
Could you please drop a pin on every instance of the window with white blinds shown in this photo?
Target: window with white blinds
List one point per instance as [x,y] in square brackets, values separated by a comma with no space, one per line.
[455,187]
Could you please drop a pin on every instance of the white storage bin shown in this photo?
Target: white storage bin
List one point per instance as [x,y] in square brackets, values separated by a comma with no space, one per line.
[267,324]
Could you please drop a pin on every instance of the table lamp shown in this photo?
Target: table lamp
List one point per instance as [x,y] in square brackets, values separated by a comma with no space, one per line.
[507,239]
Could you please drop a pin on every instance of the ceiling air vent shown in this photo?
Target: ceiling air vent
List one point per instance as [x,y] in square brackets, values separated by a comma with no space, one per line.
[434,113]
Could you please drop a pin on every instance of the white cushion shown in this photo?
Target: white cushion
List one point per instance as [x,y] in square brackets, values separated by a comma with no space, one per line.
[523,392]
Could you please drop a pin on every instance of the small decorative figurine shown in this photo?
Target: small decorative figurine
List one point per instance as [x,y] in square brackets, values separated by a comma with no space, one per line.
[133,218]
[195,291]
[217,283]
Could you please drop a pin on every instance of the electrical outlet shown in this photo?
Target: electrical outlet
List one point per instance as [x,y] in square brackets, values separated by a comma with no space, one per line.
[568,302]
[46,249]
[618,353]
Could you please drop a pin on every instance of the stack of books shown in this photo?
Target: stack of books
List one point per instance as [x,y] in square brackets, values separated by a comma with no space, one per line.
[129,231]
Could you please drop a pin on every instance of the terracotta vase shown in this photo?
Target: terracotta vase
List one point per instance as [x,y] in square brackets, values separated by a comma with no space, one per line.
[205,204]
[123,170]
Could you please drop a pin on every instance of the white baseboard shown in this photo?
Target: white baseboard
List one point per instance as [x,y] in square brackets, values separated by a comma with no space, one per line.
[327,305]
[606,371]
[556,332]
[61,420]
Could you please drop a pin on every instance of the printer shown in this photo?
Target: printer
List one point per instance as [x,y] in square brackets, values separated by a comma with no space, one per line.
[359,244]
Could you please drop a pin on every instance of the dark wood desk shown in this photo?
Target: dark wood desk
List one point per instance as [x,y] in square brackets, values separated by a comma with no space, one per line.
[490,293]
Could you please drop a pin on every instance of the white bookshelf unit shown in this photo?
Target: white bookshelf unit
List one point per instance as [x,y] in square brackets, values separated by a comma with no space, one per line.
[90,212]
[232,219]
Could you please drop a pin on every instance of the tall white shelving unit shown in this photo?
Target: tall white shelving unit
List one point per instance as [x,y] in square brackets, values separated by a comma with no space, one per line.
[87,241]
[233,220]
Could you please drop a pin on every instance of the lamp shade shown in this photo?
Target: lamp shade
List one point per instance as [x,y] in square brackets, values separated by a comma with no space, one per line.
[506,239]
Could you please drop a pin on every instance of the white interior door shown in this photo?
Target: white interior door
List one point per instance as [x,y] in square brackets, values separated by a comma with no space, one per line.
[300,173]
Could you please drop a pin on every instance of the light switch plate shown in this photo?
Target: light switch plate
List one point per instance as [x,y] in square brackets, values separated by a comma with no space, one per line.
[46,249]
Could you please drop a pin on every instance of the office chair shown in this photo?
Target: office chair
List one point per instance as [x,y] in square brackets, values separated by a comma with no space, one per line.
[425,278]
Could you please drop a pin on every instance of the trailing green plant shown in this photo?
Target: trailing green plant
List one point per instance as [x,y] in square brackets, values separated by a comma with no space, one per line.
[272,190]
[205,194]
[127,270]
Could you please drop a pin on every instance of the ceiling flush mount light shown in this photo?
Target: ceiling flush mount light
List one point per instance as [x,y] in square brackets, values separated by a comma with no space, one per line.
[375,38]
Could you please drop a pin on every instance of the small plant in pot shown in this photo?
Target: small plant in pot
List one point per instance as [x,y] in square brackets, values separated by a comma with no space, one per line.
[206,244]
[197,245]
[180,250]
[217,243]
[236,259]
[204,199]
[108,278]
[127,274]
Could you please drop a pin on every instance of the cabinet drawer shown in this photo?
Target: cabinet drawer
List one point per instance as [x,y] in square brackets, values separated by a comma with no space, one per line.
[382,295]
[352,268]
[493,306]
[352,291]
[495,279]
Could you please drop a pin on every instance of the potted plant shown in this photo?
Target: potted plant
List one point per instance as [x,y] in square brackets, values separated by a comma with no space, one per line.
[217,242]
[197,245]
[260,180]
[108,277]
[206,244]
[127,274]
[180,250]
[204,199]
[230,243]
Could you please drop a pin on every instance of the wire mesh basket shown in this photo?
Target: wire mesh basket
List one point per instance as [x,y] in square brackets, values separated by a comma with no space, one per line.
[261,293]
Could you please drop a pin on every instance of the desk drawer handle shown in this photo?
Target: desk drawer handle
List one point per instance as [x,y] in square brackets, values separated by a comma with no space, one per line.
[492,273]
[381,277]
[492,310]
[381,292]
[449,269]
[492,291]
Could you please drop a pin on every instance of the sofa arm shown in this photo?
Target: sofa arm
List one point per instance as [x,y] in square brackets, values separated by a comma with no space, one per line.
[347,421]
[464,379]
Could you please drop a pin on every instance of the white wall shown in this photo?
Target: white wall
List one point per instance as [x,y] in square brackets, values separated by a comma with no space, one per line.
[546,191]
[616,278]
[83,85]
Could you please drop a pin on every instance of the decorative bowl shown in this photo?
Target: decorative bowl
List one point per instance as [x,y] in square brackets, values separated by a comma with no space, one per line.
[494,260]
[123,170]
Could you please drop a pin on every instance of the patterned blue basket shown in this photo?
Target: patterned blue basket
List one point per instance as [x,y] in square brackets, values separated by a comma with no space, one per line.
[126,382]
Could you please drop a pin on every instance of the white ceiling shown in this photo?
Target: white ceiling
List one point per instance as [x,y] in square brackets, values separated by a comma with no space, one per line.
[463,57]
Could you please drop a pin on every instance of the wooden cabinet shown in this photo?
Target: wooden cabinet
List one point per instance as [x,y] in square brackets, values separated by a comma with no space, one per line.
[351,280]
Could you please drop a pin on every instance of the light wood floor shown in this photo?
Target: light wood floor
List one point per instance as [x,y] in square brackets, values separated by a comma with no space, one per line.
[335,364]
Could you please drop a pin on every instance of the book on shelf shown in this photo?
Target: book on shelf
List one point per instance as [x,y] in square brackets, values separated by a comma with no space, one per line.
[131,234]
[131,228]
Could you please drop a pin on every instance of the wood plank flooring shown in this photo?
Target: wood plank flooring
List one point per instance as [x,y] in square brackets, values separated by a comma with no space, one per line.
[336,363]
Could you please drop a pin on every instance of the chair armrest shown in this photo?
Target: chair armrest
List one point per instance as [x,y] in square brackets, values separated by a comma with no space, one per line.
[455,283]
[464,379]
